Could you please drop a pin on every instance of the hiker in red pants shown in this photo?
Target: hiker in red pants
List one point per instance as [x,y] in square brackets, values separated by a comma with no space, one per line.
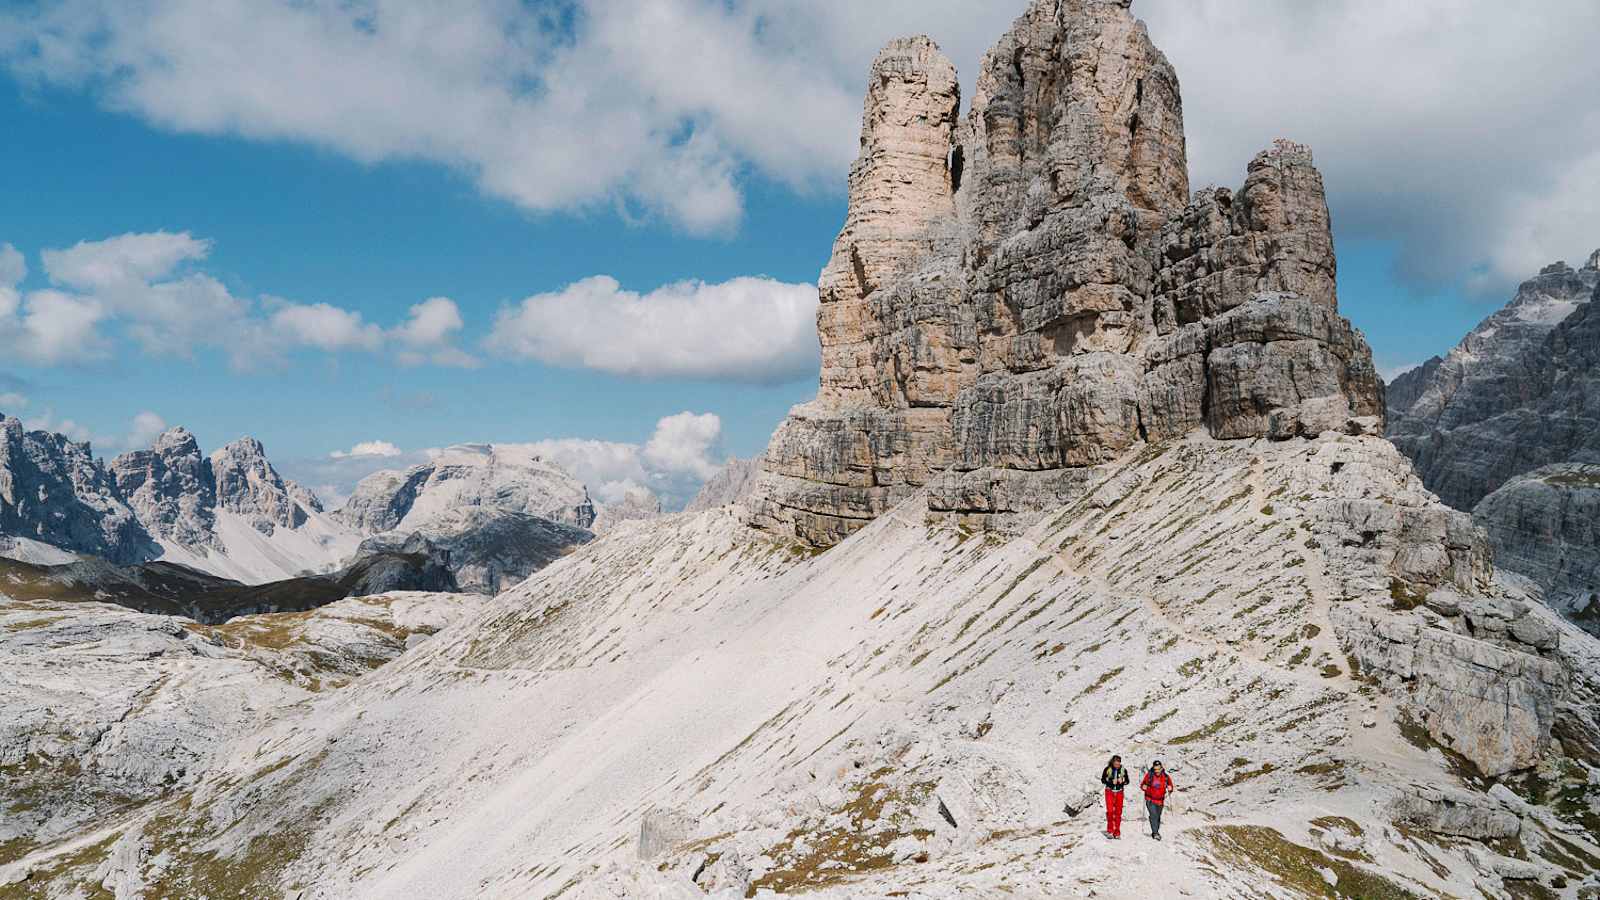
[1157,784]
[1115,778]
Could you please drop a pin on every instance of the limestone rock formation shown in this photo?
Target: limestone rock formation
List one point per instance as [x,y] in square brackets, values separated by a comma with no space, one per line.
[488,475]
[489,549]
[172,488]
[1521,391]
[54,491]
[248,485]
[637,504]
[1545,524]
[732,484]
[1030,292]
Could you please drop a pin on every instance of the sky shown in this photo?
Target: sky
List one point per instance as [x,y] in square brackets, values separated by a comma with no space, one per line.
[361,229]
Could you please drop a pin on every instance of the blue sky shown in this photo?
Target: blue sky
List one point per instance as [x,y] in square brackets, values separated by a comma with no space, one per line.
[315,171]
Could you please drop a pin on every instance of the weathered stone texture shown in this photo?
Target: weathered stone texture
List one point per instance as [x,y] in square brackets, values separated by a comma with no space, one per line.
[1521,391]
[1031,289]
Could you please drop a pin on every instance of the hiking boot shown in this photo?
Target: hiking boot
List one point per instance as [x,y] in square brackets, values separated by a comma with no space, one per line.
[1157,836]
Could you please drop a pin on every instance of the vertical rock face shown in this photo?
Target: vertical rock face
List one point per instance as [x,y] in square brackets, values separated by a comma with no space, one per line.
[1521,391]
[53,490]
[1507,425]
[1030,292]
[171,488]
[1545,524]
[247,484]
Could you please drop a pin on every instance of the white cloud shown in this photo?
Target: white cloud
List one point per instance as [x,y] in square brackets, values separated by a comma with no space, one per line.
[369,449]
[126,260]
[71,430]
[56,327]
[13,268]
[134,281]
[325,327]
[428,335]
[1448,125]
[682,451]
[683,443]
[746,329]
[147,426]
[12,401]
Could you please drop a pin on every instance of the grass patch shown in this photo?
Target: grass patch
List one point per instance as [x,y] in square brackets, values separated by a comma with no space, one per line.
[876,817]
[1405,597]
[1101,682]
[1204,732]
[1296,867]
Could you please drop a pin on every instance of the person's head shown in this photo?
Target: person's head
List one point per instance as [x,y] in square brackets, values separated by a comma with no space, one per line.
[1116,762]
[1157,767]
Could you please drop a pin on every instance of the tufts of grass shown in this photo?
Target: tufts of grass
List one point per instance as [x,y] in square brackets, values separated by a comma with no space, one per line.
[1297,868]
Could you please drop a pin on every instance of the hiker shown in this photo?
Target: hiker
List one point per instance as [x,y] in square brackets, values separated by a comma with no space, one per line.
[1157,784]
[1115,778]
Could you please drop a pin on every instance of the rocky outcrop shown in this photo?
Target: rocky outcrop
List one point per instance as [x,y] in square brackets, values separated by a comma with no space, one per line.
[637,504]
[1521,391]
[487,475]
[1545,525]
[248,485]
[171,488]
[54,491]
[732,484]
[1030,292]
[489,549]
[1507,425]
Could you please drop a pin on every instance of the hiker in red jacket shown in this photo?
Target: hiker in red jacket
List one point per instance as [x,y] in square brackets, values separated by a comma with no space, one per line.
[1157,784]
[1115,779]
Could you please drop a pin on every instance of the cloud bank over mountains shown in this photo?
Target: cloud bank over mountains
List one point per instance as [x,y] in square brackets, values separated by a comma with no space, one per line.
[682,452]
[597,104]
[145,285]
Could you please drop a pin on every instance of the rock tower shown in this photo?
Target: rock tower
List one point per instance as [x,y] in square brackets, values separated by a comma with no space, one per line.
[1024,294]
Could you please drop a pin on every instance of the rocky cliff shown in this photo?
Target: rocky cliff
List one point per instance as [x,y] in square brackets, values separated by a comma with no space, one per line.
[229,514]
[490,475]
[1028,292]
[1521,391]
[54,491]
[732,484]
[1545,525]
[1507,425]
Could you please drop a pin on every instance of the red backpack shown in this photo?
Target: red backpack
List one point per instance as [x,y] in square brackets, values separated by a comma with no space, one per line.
[1156,786]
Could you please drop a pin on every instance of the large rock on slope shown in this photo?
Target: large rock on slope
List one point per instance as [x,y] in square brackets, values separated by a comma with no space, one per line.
[1030,292]
[487,475]
[637,504]
[489,549]
[1521,391]
[54,491]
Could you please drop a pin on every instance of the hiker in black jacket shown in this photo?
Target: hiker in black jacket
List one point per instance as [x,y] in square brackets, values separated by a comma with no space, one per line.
[1115,779]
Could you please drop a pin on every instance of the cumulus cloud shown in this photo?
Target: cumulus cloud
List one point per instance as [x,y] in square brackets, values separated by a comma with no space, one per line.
[147,426]
[13,401]
[326,327]
[429,333]
[681,453]
[1456,127]
[367,449]
[746,329]
[139,282]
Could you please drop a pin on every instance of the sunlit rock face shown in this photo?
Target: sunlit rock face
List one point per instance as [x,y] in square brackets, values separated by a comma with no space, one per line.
[1031,291]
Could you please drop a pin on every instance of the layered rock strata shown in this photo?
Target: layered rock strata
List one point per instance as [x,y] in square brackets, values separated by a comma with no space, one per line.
[54,491]
[1521,391]
[1029,292]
